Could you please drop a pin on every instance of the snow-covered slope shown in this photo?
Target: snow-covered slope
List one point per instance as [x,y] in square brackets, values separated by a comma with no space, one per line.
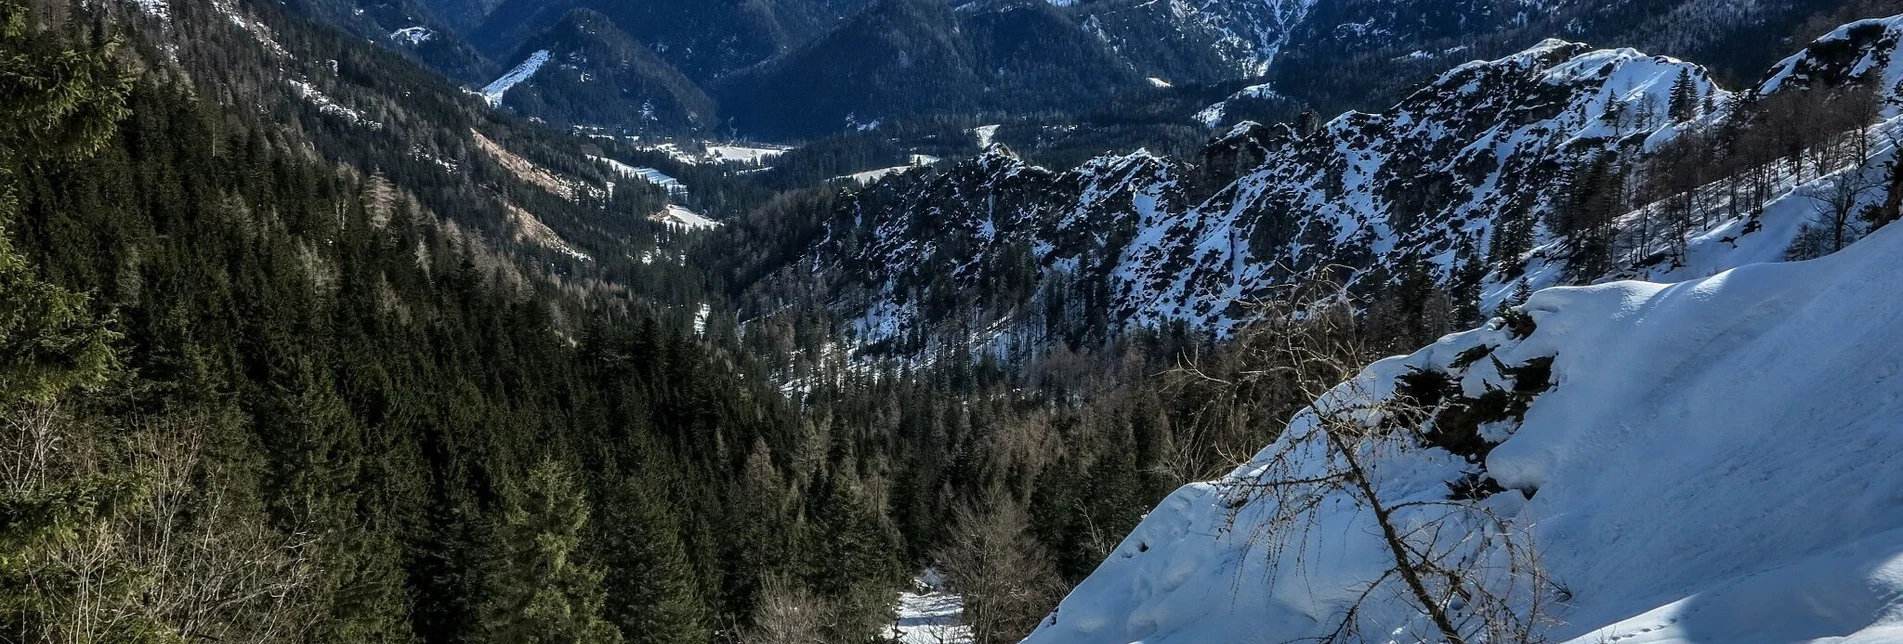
[1717,460]
[494,90]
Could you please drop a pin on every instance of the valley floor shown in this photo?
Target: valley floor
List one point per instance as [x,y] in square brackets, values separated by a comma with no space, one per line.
[928,614]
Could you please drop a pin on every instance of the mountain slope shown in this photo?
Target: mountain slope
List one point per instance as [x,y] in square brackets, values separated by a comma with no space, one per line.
[1480,181]
[705,40]
[598,76]
[915,57]
[1443,180]
[1714,461]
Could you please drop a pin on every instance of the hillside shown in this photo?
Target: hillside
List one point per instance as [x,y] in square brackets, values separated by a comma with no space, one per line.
[846,321]
[1482,183]
[597,76]
[1708,461]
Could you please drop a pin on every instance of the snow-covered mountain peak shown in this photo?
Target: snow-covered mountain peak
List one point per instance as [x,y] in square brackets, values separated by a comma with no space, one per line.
[1859,52]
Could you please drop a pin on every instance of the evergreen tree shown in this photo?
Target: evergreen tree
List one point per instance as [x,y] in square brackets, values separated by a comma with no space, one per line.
[543,589]
[1685,99]
[57,102]
[656,599]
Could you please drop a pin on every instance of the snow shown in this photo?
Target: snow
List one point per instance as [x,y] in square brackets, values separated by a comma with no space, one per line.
[986,134]
[493,91]
[700,318]
[928,614]
[327,105]
[1717,461]
[869,177]
[257,30]
[673,151]
[154,8]
[873,176]
[1214,115]
[680,216]
[659,179]
[412,36]
[1796,65]
[742,153]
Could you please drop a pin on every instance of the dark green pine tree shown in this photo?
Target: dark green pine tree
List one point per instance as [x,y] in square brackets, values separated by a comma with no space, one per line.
[57,102]
[851,557]
[1685,98]
[542,589]
[657,599]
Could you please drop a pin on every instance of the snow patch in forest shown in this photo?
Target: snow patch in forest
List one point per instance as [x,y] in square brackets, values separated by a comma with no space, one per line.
[676,215]
[659,179]
[412,36]
[155,8]
[748,154]
[929,614]
[327,105]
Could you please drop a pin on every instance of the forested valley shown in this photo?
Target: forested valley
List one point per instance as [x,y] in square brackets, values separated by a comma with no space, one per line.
[302,342]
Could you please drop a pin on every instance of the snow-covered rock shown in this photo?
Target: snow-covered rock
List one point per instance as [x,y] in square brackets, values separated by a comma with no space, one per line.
[1429,182]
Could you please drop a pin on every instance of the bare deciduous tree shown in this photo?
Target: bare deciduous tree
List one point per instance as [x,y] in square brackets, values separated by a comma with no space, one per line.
[790,614]
[1005,577]
[1470,573]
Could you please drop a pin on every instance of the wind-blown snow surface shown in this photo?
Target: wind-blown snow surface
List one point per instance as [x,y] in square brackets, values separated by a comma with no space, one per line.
[1717,461]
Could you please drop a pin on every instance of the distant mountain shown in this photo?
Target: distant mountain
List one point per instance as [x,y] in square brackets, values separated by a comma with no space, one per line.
[853,62]
[596,75]
[705,40]
[911,57]
[1203,41]
[408,27]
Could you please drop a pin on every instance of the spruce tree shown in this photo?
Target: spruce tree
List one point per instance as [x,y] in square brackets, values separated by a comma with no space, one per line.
[1685,99]
[656,599]
[57,103]
[543,589]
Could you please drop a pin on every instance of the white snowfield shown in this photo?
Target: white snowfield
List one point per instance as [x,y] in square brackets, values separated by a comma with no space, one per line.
[494,90]
[748,154]
[680,216]
[1719,461]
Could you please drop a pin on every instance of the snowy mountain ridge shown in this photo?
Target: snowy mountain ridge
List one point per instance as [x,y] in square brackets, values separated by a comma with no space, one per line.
[1457,182]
